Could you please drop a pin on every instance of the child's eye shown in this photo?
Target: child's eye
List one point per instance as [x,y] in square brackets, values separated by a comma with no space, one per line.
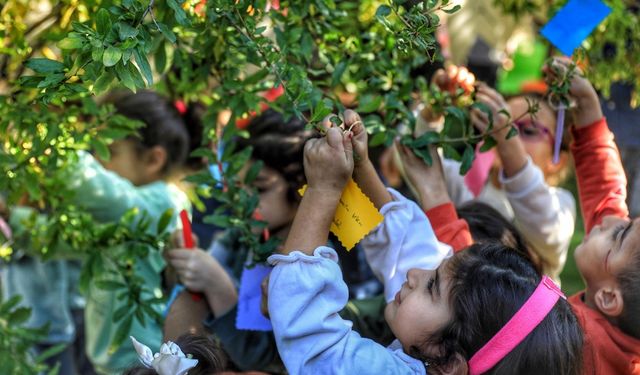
[614,234]
[430,284]
[261,190]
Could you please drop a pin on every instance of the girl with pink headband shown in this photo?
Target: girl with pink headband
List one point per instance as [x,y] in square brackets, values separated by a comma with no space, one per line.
[483,310]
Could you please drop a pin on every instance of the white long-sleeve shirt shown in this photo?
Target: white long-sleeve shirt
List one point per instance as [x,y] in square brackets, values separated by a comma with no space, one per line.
[545,215]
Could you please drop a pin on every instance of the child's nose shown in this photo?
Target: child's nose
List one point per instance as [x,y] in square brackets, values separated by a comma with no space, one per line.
[413,277]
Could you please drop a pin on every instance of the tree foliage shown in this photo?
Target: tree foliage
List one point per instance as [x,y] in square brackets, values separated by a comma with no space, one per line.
[325,54]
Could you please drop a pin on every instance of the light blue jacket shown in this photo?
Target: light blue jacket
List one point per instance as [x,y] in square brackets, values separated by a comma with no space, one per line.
[307,292]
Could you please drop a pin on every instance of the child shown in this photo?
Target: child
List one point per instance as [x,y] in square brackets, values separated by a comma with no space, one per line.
[609,257]
[192,354]
[439,317]
[279,145]
[608,309]
[522,185]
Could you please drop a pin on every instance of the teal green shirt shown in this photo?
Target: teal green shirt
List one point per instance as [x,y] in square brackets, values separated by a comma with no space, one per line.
[108,196]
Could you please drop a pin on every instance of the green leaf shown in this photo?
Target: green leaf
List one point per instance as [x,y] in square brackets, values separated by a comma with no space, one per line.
[19,316]
[222,221]
[424,153]
[171,37]
[369,103]
[111,56]
[122,333]
[320,111]
[181,16]
[253,172]
[125,77]
[164,221]
[452,10]
[383,11]
[103,22]
[103,82]
[101,149]
[121,312]
[109,285]
[456,115]
[338,72]
[160,59]
[143,63]
[51,80]
[135,75]
[378,139]
[489,143]
[125,31]
[71,42]
[467,159]
[512,132]
[44,66]
[426,139]
[50,352]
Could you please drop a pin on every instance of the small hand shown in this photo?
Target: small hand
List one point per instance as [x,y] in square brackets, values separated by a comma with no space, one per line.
[427,181]
[353,123]
[499,111]
[196,269]
[588,108]
[328,161]
[451,80]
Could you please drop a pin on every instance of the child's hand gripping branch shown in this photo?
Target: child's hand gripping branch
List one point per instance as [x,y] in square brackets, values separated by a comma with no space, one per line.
[430,186]
[405,238]
[328,164]
[587,109]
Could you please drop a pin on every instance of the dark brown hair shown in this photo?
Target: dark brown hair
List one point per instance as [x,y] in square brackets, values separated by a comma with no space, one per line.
[279,144]
[487,224]
[629,280]
[489,284]
[163,125]
[211,358]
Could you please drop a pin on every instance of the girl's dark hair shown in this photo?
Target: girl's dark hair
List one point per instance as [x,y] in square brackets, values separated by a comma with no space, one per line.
[211,358]
[489,283]
[487,224]
[279,144]
[629,280]
[163,126]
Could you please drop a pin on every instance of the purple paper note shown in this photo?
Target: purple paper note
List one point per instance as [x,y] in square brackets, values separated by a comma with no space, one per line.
[250,295]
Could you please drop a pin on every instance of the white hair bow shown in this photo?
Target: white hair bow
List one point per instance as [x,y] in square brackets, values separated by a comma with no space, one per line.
[169,361]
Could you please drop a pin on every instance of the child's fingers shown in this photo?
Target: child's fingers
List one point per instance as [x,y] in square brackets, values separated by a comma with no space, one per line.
[326,122]
[335,139]
[353,122]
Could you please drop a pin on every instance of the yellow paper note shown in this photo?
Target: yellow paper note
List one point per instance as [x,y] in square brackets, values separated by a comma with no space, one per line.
[356,215]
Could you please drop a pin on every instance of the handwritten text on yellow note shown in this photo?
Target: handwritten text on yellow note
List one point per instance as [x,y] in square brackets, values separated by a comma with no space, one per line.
[355,216]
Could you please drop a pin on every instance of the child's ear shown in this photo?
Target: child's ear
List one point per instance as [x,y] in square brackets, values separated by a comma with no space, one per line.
[457,365]
[609,300]
[155,160]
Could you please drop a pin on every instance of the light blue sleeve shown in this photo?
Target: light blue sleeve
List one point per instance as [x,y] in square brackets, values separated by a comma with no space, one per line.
[404,240]
[305,295]
[108,196]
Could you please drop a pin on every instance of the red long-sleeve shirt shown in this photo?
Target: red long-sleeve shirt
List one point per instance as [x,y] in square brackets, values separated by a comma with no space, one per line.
[602,189]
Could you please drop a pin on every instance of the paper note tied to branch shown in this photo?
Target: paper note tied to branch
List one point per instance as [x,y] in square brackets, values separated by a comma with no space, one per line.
[355,217]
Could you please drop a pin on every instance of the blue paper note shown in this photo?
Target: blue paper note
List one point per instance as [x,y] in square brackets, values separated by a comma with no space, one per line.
[574,22]
[250,295]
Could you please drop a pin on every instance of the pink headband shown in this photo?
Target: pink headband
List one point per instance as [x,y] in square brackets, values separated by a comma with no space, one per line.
[518,327]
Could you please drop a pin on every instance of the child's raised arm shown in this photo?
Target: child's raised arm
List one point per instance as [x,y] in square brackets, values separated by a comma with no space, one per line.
[429,184]
[601,179]
[328,163]
[405,239]
[306,290]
